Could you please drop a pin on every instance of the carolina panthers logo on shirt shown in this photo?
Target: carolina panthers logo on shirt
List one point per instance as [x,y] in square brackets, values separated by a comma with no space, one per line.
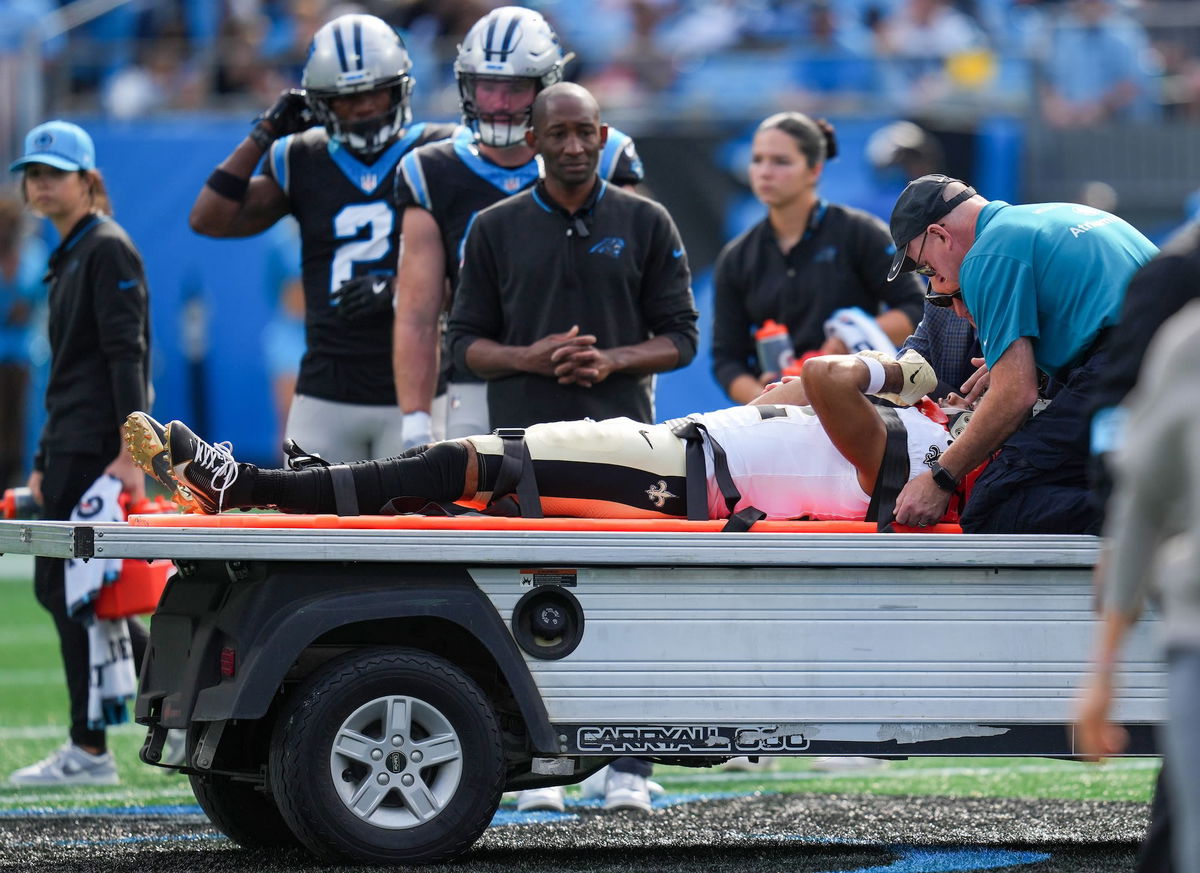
[610,245]
[931,456]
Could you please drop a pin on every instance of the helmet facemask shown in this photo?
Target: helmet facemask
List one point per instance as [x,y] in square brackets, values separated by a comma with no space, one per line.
[500,134]
[508,44]
[356,54]
[365,136]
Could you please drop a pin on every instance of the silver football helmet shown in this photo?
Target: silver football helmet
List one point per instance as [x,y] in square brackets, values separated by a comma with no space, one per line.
[508,43]
[350,55]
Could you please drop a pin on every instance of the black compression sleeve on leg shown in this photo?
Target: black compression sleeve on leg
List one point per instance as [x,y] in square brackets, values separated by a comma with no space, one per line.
[436,474]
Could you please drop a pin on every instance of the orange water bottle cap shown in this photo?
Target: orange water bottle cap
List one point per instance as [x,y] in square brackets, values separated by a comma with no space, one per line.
[770,328]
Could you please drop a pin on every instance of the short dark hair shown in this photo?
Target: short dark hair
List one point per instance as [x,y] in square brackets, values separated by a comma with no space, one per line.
[816,140]
[541,103]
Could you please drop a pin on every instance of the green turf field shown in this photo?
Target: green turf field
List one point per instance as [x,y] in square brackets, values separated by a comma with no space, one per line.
[33,718]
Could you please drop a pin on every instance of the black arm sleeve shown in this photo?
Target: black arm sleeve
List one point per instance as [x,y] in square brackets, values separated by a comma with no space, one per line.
[120,306]
[666,297]
[475,313]
[732,345]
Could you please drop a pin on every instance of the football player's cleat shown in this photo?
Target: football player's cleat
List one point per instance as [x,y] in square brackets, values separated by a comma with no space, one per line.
[147,442]
[205,470]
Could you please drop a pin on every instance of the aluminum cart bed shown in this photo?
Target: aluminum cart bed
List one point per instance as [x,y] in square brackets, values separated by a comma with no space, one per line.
[368,686]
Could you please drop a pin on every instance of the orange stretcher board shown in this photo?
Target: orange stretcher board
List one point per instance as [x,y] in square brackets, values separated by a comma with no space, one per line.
[273,520]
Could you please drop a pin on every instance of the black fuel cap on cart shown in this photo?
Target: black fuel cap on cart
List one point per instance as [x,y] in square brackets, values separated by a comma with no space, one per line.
[547,622]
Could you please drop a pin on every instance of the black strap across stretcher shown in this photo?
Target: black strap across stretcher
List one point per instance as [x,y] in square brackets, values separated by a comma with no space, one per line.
[693,433]
[893,471]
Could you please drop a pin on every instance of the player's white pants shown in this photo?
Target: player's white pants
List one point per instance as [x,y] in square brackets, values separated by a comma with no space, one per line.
[341,432]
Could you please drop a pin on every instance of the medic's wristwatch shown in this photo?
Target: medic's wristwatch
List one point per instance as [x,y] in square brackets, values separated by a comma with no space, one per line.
[942,477]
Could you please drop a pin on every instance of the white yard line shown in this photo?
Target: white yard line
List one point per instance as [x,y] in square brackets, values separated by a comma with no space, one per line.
[89,798]
[1130,764]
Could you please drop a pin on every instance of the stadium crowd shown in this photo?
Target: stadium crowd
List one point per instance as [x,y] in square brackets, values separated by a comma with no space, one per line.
[1080,61]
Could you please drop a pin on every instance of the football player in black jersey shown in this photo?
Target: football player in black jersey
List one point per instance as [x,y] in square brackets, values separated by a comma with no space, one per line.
[337,179]
[504,61]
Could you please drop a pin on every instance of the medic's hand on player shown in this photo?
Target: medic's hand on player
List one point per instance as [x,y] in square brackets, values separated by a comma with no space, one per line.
[979,381]
[921,502]
[289,114]
[364,297]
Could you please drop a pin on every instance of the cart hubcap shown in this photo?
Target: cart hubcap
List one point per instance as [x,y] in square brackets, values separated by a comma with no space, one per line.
[396,762]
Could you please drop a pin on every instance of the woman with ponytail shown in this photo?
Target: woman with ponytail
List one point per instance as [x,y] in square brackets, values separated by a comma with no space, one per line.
[805,260]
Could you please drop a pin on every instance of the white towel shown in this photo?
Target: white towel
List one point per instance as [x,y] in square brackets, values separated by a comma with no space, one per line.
[84,577]
[112,680]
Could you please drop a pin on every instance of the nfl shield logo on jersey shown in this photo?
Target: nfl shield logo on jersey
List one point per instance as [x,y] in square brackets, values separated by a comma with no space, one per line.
[368,181]
[512,184]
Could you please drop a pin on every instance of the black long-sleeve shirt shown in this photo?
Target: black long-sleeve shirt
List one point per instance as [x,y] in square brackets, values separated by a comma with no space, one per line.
[617,268]
[842,260]
[99,331]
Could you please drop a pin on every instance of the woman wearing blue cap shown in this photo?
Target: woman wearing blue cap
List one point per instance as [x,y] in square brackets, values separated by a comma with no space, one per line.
[99,349]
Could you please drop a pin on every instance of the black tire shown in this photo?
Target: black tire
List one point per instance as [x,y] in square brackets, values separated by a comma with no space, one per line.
[353,791]
[246,815]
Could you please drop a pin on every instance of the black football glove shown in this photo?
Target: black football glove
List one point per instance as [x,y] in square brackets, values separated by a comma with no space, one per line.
[290,114]
[364,297]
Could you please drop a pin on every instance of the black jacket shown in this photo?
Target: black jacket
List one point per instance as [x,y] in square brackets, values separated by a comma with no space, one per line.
[99,331]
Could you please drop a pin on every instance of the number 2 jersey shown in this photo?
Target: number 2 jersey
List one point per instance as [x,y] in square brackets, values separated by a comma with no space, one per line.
[349,226]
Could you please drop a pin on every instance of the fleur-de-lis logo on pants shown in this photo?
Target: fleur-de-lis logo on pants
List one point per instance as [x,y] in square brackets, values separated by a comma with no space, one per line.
[658,493]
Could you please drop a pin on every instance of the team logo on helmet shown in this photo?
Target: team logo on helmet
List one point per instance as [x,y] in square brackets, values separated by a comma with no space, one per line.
[355,54]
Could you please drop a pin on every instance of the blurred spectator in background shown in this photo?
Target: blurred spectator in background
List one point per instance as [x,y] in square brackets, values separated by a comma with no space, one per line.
[21,29]
[802,262]
[239,70]
[1180,82]
[1016,27]
[930,50]
[22,265]
[833,71]
[1099,67]
[898,153]
[163,78]
[642,66]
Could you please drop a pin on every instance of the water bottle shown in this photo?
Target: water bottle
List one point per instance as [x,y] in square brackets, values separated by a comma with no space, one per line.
[19,503]
[774,343]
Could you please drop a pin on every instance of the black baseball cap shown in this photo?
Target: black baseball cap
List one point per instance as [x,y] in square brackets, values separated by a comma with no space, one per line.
[920,204]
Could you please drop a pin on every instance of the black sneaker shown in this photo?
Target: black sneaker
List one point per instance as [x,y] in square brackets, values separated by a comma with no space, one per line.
[147,442]
[204,470]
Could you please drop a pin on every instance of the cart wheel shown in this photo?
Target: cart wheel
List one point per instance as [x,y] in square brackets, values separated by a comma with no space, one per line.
[246,815]
[388,756]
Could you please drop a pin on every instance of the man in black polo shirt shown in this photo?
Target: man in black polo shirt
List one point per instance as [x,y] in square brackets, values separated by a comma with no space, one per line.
[573,293]
[571,296]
